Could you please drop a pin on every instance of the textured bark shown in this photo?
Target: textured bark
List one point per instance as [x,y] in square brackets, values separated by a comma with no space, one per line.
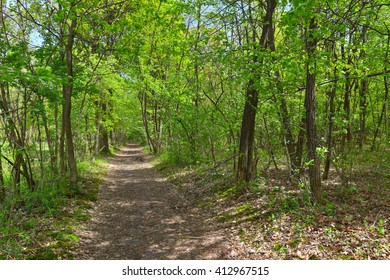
[246,165]
[311,130]
[245,170]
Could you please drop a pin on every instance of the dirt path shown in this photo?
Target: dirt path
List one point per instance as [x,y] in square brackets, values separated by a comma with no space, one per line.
[141,216]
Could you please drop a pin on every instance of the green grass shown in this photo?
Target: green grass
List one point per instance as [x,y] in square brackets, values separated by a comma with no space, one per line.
[42,224]
[242,213]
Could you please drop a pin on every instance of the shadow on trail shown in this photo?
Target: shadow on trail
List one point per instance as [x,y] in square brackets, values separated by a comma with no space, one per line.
[141,216]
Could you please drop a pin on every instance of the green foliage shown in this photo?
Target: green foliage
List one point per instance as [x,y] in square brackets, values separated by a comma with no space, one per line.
[281,248]
[381,228]
[330,209]
[42,224]
[290,204]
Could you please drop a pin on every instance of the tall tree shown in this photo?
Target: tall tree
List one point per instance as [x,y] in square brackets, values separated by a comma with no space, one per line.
[69,26]
[246,165]
[310,105]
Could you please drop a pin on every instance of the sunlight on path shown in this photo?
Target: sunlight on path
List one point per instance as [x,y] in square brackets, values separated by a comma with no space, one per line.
[141,216]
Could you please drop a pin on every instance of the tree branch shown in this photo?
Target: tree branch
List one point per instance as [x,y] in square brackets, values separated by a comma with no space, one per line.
[349,78]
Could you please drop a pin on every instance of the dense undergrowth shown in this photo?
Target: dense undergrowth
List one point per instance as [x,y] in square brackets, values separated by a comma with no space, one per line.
[43,225]
[276,217]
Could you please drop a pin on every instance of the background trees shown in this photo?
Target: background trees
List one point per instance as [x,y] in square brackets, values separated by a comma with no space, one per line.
[60,81]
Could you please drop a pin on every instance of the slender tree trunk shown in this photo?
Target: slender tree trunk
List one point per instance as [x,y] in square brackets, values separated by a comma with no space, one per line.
[329,140]
[331,116]
[57,137]
[157,127]
[3,192]
[143,99]
[284,115]
[62,154]
[347,137]
[246,165]
[363,112]
[300,142]
[104,140]
[67,89]
[97,136]
[311,130]
[41,155]
[52,152]
[363,95]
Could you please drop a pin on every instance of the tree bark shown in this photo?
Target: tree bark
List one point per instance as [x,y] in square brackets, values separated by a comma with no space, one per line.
[67,89]
[310,105]
[246,167]
[245,171]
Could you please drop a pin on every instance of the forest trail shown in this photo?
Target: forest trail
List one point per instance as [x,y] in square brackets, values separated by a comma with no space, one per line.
[139,215]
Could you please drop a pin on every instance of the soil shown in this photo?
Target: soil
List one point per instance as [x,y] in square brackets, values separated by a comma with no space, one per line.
[140,215]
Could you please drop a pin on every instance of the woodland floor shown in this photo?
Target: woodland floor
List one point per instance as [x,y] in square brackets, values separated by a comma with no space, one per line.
[200,214]
[275,217]
[139,215]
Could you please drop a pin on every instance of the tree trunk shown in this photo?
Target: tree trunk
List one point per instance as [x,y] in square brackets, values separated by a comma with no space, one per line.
[52,153]
[245,171]
[246,165]
[62,145]
[311,130]
[292,157]
[329,140]
[347,137]
[67,89]
[300,142]
[363,95]
[2,186]
[363,112]
[104,140]
[331,116]
[143,98]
